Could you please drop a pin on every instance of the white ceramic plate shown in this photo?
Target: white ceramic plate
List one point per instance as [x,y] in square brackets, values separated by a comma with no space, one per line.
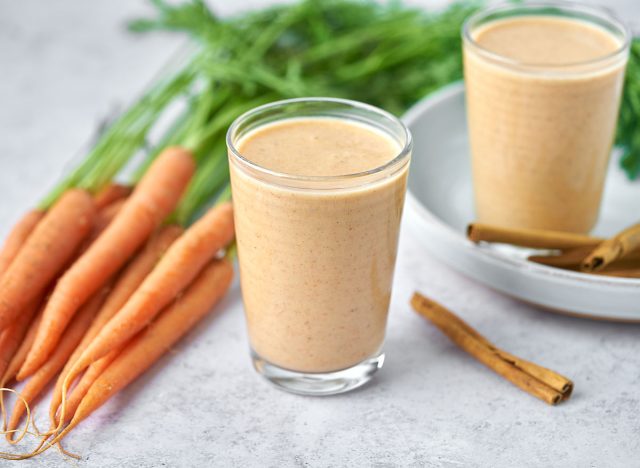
[440,196]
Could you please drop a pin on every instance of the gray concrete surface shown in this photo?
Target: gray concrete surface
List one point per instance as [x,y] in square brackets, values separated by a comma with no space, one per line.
[65,65]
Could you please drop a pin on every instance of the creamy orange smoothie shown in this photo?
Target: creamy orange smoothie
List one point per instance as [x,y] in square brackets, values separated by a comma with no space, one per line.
[317,256]
[543,94]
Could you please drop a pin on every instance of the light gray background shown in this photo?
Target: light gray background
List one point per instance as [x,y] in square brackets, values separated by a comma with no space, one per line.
[64,65]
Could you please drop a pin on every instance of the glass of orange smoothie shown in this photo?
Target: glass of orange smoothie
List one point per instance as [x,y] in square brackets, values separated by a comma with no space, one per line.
[543,84]
[318,190]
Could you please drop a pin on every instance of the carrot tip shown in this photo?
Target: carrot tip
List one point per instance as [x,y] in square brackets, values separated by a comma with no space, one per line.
[25,371]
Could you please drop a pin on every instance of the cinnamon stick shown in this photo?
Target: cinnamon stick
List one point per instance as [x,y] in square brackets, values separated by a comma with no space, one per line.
[536,380]
[573,258]
[619,272]
[613,249]
[534,238]
[570,258]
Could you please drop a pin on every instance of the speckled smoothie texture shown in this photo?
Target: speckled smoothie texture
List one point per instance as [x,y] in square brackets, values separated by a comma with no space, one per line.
[541,133]
[316,266]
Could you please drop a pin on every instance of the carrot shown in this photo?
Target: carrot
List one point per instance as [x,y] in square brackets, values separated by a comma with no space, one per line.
[45,253]
[14,334]
[106,215]
[111,193]
[128,281]
[17,237]
[10,342]
[56,361]
[11,337]
[175,271]
[145,349]
[156,195]
[21,354]
[102,220]
[80,390]
[17,360]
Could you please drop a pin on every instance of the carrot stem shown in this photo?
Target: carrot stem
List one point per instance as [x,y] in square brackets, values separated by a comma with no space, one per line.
[124,138]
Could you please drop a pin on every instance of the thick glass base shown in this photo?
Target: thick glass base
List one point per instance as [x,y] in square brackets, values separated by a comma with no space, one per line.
[318,384]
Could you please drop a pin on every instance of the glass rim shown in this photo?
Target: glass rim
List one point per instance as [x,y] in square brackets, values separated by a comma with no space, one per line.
[594,11]
[401,155]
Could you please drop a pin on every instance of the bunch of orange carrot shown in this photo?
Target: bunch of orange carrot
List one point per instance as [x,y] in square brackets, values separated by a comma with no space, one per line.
[96,288]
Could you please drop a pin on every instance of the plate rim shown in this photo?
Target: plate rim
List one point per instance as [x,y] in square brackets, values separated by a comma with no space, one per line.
[553,274]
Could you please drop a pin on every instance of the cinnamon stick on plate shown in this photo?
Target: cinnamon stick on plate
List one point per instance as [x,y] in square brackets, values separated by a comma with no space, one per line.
[572,259]
[620,272]
[534,238]
[569,258]
[613,249]
[536,380]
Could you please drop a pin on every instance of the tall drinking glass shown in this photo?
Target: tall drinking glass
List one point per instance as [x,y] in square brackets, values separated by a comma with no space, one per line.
[543,84]
[316,239]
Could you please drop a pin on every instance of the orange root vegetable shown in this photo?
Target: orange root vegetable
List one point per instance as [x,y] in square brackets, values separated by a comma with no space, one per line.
[128,281]
[21,354]
[102,220]
[10,344]
[14,334]
[110,194]
[94,302]
[145,349]
[49,248]
[16,361]
[17,237]
[106,215]
[56,361]
[175,271]
[155,197]
[86,381]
